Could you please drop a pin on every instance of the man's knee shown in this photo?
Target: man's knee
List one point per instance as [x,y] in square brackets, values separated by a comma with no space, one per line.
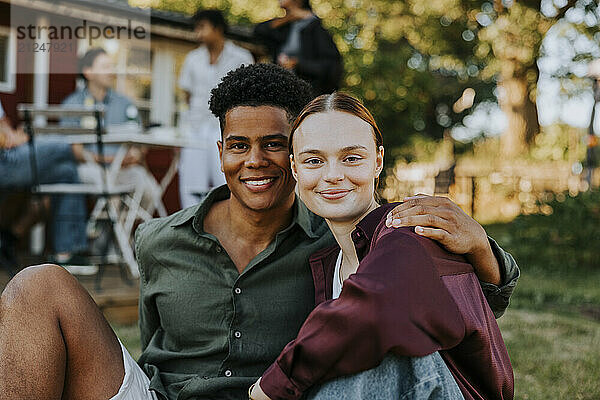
[36,285]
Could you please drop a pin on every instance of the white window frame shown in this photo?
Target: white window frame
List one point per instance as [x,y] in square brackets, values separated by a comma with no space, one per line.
[9,85]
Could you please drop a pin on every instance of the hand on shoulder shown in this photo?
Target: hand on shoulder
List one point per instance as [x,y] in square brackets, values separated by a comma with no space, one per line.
[440,219]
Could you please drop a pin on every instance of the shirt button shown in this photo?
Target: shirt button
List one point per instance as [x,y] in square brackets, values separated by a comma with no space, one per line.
[218,249]
[228,373]
[237,290]
[238,334]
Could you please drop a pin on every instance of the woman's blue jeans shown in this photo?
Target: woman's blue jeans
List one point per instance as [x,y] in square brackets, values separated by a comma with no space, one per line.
[396,378]
[55,164]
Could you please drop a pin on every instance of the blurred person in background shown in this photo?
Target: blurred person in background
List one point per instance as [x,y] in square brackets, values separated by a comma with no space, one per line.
[203,68]
[299,43]
[56,163]
[98,72]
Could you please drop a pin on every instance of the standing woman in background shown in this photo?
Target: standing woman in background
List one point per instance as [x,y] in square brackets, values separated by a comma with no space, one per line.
[299,43]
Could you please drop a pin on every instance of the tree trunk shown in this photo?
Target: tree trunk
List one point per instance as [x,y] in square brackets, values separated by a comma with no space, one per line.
[521,113]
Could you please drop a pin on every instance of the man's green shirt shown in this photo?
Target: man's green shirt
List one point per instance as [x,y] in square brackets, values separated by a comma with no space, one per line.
[206,329]
[209,332]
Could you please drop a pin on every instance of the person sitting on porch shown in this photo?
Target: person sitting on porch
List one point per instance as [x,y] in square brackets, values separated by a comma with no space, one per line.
[97,70]
[56,163]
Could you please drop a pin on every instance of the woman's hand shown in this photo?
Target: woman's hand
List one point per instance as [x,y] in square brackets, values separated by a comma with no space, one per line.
[256,393]
[440,219]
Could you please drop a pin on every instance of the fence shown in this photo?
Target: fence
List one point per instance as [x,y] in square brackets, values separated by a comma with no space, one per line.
[490,193]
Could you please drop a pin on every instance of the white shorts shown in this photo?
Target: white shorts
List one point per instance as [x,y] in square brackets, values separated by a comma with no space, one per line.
[135,383]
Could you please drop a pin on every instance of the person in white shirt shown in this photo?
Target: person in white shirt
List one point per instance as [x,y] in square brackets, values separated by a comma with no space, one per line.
[202,70]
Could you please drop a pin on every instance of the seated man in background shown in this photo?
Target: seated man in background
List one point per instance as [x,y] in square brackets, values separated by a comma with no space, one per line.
[97,70]
[56,163]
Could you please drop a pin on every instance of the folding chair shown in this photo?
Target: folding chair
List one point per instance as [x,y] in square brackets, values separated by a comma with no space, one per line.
[108,194]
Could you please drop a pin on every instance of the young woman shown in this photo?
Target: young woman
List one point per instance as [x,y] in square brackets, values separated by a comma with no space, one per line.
[384,294]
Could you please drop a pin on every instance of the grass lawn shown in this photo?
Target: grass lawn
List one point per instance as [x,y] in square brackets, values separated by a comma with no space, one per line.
[554,356]
[552,328]
[130,337]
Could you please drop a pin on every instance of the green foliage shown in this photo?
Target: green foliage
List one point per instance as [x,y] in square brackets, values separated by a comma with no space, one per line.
[552,327]
[562,291]
[417,149]
[567,239]
[555,142]
[409,61]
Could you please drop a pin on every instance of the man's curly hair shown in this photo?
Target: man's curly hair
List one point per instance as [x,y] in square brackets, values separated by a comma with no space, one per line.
[260,85]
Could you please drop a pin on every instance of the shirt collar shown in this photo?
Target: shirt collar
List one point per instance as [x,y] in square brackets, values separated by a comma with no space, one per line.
[196,214]
[304,218]
[365,229]
[302,23]
[106,99]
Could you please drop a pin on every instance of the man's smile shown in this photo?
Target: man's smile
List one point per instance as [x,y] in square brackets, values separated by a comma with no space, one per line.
[258,184]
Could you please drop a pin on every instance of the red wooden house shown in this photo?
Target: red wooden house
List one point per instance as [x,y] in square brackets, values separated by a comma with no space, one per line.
[147,68]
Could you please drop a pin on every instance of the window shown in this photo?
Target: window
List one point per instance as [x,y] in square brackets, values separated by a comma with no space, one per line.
[7,60]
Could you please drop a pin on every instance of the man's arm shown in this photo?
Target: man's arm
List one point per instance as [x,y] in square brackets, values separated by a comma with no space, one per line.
[5,131]
[149,321]
[185,78]
[440,219]
[9,137]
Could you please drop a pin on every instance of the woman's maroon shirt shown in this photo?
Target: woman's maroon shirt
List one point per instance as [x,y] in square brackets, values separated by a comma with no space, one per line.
[409,297]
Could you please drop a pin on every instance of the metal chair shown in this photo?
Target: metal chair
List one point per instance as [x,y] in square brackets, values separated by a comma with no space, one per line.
[109,196]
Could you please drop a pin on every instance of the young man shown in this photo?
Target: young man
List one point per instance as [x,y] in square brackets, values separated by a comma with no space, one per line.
[97,70]
[224,285]
[202,70]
